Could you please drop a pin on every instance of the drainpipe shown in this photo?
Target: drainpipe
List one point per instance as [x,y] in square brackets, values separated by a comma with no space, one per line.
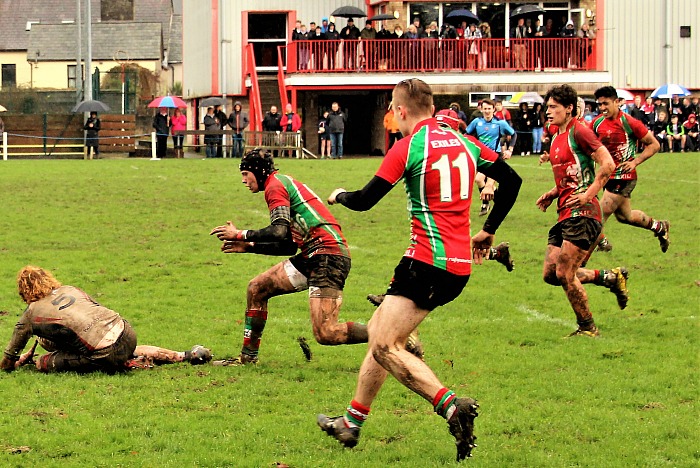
[668,46]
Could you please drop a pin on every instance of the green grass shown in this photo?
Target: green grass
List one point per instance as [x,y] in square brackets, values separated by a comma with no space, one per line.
[134,234]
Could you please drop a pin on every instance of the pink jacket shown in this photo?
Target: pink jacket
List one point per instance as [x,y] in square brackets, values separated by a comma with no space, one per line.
[178,123]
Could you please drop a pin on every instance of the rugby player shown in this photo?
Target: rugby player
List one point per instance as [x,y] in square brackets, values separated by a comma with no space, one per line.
[438,167]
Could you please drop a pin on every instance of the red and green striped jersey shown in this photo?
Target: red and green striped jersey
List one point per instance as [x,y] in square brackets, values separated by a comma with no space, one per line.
[574,168]
[620,136]
[438,166]
[314,229]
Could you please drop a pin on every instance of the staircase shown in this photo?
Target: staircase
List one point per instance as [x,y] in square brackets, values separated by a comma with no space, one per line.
[269,93]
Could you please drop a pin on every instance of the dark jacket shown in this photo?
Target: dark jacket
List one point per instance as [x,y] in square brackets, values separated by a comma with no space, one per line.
[350,32]
[210,124]
[160,123]
[336,122]
[92,130]
[240,116]
[271,122]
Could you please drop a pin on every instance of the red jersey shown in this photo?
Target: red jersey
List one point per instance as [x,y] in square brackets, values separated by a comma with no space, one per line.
[620,137]
[314,229]
[502,115]
[438,166]
[574,169]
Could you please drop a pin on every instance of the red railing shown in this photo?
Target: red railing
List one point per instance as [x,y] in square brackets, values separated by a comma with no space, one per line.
[284,98]
[399,55]
[255,113]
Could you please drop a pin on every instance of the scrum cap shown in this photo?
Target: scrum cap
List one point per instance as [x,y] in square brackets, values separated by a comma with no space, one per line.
[260,163]
[448,118]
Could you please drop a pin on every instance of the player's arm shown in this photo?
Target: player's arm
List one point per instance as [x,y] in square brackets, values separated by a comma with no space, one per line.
[508,152]
[274,239]
[364,199]
[509,183]
[651,147]
[606,166]
[20,336]
[547,198]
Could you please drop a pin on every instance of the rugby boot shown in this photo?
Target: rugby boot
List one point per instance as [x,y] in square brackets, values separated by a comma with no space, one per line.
[376,299]
[484,209]
[462,426]
[503,256]
[241,360]
[604,245]
[663,236]
[414,345]
[619,286]
[595,333]
[198,355]
[335,427]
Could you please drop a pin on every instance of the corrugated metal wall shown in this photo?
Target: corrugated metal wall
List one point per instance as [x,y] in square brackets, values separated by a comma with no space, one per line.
[197,19]
[635,39]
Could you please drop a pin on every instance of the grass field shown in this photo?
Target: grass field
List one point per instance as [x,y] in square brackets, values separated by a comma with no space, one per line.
[134,234]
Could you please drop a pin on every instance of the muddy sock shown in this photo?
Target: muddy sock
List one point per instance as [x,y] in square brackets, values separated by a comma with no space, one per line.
[357,333]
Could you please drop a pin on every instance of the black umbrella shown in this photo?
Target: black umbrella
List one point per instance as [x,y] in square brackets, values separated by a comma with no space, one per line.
[212,101]
[457,16]
[382,17]
[91,106]
[348,12]
[526,10]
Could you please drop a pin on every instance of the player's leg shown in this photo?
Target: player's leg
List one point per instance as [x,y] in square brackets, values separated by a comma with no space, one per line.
[568,261]
[197,355]
[480,180]
[621,193]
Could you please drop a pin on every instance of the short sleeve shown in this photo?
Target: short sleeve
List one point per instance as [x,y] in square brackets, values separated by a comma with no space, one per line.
[394,164]
[638,128]
[586,139]
[276,194]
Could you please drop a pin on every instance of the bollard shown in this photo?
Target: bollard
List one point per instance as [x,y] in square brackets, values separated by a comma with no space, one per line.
[153,147]
[4,146]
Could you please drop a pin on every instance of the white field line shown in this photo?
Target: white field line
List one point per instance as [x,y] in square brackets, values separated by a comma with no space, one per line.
[537,315]
[546,166]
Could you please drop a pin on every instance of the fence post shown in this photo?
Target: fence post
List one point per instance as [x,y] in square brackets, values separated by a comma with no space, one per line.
[4,146]
[153,147]
[45,128]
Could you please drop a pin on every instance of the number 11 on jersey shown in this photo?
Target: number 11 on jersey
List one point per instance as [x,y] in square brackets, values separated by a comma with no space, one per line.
[461,163]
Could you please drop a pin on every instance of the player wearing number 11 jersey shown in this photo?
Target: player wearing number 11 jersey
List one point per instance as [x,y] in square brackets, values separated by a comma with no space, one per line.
[437,166]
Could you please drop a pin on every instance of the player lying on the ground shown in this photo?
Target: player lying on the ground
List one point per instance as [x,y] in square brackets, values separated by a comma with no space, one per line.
[438,166]
[573,154]
[619,132]
[298,221]
[80,334]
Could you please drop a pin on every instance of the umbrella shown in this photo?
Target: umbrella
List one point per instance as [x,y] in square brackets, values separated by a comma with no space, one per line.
[526,10]
[669,90]
[91,106]
[624,94]
[168,101]
[212,101]
[457,16]
[529,96]
[2,109]
[382,17]
[348,12]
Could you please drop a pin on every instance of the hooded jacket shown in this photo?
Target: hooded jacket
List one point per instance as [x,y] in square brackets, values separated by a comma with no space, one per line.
[238,119]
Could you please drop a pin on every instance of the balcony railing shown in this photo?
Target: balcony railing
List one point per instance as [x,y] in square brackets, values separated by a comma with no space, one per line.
[440,55]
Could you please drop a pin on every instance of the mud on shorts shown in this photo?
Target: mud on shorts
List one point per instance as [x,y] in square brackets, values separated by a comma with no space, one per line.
[320,271]
[426,285]
[621,187]
[580,231]
[109,359]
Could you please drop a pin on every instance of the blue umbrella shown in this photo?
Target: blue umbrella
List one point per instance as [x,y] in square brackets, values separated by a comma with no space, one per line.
[669,90]
[462,15]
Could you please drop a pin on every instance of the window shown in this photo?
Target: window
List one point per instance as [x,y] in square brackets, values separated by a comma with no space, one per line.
[9,75]
[72,83]
[266,31]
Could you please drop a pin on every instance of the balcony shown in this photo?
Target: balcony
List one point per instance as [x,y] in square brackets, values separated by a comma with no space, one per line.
[441,55]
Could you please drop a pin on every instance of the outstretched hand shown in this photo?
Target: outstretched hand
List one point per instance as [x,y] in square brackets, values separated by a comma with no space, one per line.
[235,246]
[544,201]
[225,232]
[481,243]
[332,197]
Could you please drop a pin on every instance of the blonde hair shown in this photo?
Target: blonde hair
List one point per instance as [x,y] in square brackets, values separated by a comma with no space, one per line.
[35,283]
[414,94]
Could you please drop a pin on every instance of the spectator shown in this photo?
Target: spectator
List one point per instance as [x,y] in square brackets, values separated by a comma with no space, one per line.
[431,46]
[160,124]
[419,29]
[336,126]
[392,128]
[649,112]
[238,121]
[472,35]
[695,106]
[502,113]
[290,123]
[523,125]
[178,123]
[396,50]
[660,105]
[211,123]
[519,48]
[569,47]
[221,117]
[692,130]
[350,34]
[636,109]
[586,37]
[659,129]
[303,48]
[485,29]
[538,119]
[676,106]
[368,47]
[312,30]
[687,109]
[272,123]
[318,48]
[411,49]
[476,113]
[675,134]
[92,125]
[324,25]
[333,36]
[324,135]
